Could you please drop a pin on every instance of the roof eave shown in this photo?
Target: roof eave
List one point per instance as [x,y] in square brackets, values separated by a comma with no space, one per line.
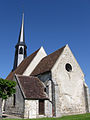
[20,86]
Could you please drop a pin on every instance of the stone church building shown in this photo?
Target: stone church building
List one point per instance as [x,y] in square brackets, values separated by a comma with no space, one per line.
[47,85]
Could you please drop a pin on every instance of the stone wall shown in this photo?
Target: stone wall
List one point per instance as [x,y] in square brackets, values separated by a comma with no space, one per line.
[87,99]
[46,79]
[16,108]
[31,109]
[48,108]
[69,90]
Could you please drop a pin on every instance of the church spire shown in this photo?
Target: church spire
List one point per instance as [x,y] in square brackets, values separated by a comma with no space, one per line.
[21,35]
[20,52]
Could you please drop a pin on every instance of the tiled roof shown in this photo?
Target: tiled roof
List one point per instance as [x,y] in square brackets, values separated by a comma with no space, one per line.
[47,62]
[32,87]
[23,65]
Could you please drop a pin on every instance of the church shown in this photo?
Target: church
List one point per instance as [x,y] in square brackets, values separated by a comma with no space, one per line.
[47,85]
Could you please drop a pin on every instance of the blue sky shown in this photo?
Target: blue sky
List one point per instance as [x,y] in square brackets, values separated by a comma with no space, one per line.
[48,23]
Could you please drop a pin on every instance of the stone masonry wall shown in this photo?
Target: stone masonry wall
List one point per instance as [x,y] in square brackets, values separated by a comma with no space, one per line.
[48,108]
[18,109]
[31,109]
[87,99]
[46,79]
[69,93]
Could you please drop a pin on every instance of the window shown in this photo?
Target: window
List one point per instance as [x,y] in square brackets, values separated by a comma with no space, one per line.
[14,100]
[45,90]
[41,107]
[68,67]
[21,50]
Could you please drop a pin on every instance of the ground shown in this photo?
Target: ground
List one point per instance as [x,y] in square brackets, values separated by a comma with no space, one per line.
[71,117]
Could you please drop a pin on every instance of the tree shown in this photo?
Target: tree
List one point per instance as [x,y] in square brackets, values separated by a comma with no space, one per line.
[7,89]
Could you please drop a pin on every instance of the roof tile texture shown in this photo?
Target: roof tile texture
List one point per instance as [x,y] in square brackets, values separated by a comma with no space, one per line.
[32,87]
[47,62]
[22,67]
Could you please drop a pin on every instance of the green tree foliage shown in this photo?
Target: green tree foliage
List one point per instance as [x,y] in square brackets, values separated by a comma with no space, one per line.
[7,88]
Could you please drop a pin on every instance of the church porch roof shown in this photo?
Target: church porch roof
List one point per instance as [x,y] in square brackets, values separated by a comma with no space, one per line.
[32,87]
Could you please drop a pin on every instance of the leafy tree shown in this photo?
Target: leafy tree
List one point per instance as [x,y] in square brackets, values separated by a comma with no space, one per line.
[7,88]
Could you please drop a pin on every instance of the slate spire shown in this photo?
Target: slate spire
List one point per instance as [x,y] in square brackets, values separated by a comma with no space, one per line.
[20,52]
[21,35]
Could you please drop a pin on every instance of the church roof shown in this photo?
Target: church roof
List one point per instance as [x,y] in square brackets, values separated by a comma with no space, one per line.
[32,87]
[22,67]
[47,62]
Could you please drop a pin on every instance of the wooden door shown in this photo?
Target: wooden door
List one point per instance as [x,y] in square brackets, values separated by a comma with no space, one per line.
[41,107]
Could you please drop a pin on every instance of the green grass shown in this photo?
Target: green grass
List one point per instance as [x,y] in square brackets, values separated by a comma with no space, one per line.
[71,117]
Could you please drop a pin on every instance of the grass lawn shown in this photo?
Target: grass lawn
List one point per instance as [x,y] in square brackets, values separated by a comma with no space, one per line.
[71,117]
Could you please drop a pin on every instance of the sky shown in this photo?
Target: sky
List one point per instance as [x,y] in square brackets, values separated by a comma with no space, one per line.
[48,23]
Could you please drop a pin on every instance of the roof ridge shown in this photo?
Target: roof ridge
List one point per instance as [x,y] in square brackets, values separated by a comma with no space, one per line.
[57,50]
[47,62]
[24,63]
[54,52]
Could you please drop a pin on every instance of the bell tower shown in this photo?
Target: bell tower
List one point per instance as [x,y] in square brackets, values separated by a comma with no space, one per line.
[20,48]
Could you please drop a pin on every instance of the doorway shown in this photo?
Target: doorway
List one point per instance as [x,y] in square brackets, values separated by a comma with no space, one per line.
[41,107]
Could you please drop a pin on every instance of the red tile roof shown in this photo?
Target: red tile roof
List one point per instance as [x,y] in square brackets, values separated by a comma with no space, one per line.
[22,67]
[32,87]
[47,62]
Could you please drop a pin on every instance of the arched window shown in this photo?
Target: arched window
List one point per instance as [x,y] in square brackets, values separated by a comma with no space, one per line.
[21,50]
